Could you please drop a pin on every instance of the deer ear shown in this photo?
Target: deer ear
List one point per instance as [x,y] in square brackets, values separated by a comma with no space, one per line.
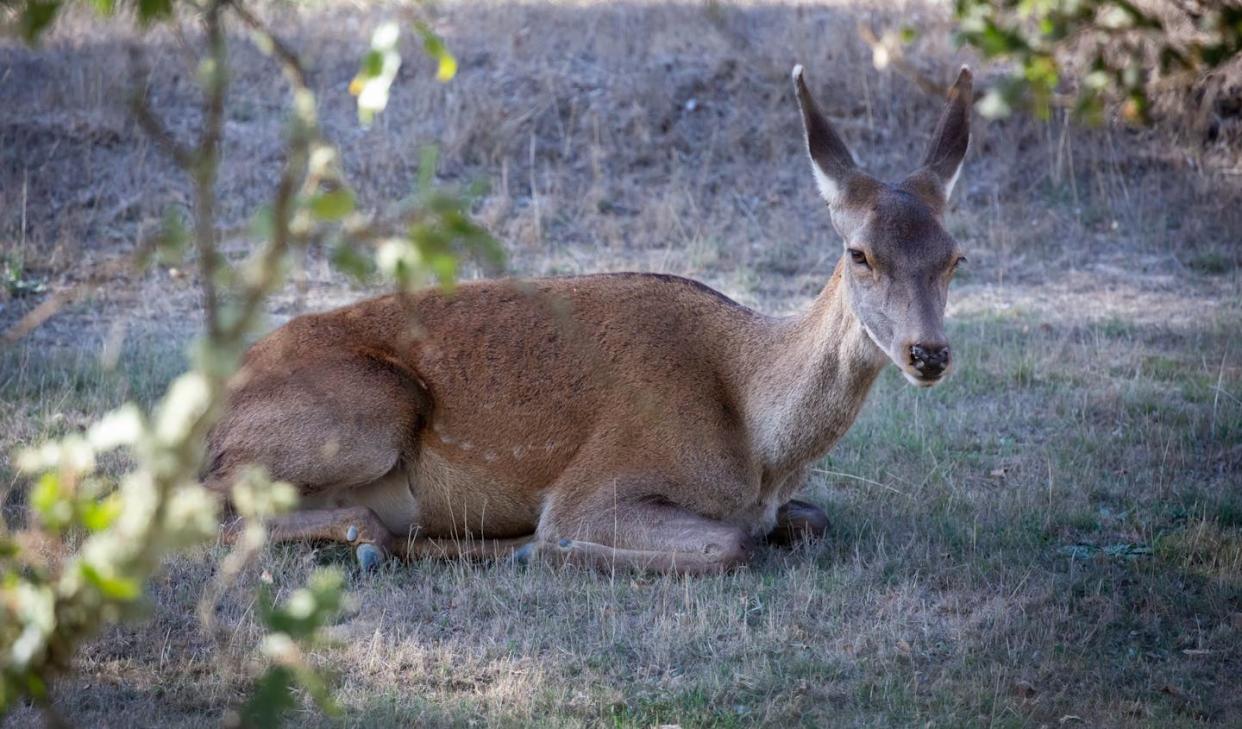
[831,161]
[952,136]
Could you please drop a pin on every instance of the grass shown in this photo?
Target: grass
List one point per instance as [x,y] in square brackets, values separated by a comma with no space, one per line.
[1052,538]
[973,578]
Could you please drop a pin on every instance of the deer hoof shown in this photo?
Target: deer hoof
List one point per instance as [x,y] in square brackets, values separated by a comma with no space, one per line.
[523,554]
[351,534]
[565,543]
[369,556]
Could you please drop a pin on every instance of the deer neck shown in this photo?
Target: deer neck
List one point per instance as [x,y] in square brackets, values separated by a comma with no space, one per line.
[807,387]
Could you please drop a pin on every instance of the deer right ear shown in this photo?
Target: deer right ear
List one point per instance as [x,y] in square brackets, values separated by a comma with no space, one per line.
[831,161]
[952,135]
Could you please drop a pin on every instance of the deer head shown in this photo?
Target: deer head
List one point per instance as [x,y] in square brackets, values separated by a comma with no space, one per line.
[899,257]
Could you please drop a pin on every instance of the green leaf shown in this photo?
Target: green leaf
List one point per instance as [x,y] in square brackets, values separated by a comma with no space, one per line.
[433,45]
[36,17]
[333,205]
[49,501]
[428,158]
[263,223]
[372,64]
[99,515]
[348,259]
[171,244]
[306,609]
[379,69]
[271,699]
[115,588]
[152,10]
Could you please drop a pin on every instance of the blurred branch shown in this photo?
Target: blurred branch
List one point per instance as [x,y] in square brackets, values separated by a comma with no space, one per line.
[107,535]
[146,118]
[61,298]
[288,59]
[206,161]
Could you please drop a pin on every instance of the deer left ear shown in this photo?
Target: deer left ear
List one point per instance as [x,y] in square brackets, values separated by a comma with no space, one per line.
[936,179]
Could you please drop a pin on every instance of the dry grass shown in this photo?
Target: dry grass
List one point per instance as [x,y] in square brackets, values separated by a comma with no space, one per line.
[969,580]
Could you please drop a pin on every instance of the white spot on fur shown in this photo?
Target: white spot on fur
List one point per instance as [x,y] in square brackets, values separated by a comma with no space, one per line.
[467,446]
[489,455]
[518,452]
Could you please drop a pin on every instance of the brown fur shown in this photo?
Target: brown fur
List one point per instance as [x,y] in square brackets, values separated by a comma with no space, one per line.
[635,419]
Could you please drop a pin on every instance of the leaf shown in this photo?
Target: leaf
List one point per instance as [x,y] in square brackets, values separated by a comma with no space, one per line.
[99,515]
[428,159]
[347,259]
[332,205]
[433,45]
[306,609]
[115,588]
[373,63]
[50,502]
[37,17]
[377,72]
[271,698]
[152,10]
[994,105]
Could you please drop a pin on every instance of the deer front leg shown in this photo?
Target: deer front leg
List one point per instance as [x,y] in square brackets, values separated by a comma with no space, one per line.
[610,533]
[798,521]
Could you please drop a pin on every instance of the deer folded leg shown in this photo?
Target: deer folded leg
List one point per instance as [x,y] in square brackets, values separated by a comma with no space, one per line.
[643,537]
[356,526]
[469,549]
[605,558]
[798,521]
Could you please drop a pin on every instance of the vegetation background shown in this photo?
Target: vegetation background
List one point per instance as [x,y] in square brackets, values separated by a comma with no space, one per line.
[1054,537]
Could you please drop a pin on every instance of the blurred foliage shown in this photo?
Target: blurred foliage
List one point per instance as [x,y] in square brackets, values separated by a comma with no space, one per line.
[82,558]
[1121,52]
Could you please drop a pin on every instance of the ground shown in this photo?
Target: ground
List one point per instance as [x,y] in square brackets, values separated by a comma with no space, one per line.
[1052,538]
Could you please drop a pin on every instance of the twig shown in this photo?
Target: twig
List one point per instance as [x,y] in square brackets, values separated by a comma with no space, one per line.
[288,59]
[206,161]
[41,313]
[58,300]
[147,119]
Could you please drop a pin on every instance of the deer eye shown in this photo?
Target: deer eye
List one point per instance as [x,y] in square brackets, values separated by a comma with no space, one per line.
[957,262]
[859,257]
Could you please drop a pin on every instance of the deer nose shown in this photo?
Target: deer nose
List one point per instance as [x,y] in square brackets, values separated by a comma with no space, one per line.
[929,359]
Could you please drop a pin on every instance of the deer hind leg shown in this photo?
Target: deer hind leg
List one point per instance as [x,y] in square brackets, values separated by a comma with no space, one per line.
[798,521]
[356,526]
[639,535]
[336,431]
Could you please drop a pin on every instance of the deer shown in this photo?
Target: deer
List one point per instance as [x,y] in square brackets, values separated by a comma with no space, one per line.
[613,421]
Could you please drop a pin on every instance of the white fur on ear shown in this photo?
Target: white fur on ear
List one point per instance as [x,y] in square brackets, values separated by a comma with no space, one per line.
[948,186]
[828,189]
[830,182]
